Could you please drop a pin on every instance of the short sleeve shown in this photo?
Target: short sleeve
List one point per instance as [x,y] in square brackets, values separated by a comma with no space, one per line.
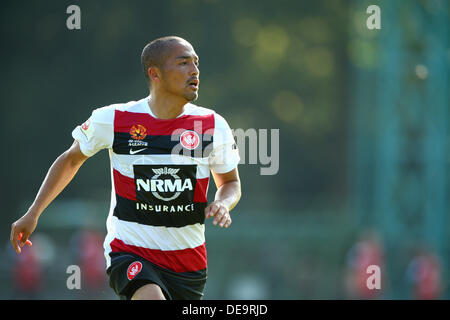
[225,154]
[97,132]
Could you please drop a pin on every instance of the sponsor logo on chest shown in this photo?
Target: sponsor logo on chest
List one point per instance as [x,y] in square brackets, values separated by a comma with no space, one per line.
[165,188]
[165,185]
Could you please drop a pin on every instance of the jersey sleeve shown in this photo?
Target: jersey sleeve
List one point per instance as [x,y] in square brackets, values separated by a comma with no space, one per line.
[97,132]
[225,154]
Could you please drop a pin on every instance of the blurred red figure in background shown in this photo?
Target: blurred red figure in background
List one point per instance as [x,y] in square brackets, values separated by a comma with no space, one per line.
[424,272]
[27,274]
[365,252]
[91,259]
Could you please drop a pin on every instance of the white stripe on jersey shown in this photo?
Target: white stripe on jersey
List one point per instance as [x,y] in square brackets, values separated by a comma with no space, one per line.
[161,238]
[124,163]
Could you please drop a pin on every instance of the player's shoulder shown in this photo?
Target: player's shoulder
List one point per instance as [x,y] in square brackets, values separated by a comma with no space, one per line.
[107,113]
[196,110]
[222,131]
[131,106]
[203,111]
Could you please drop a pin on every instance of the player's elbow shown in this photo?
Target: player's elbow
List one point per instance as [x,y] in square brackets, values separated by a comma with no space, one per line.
[73,157]
[238,190]
[236,185]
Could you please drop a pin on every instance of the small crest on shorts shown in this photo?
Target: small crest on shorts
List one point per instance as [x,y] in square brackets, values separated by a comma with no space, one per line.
[134,269]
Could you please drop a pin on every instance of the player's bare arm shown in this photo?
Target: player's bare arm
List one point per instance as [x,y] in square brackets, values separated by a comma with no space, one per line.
[227,196]
[58,177]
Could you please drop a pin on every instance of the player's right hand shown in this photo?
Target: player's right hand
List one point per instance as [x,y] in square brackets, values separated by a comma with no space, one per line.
[21,231]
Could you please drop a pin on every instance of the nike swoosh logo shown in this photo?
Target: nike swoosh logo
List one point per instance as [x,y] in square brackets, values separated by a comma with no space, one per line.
[136,151]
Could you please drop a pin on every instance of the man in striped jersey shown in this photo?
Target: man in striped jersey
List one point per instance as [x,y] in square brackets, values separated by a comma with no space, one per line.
[162,150]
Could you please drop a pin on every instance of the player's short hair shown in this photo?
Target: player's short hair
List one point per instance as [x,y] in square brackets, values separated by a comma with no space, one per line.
[155,53]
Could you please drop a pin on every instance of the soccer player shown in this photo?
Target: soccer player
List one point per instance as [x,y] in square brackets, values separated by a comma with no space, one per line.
[162,149]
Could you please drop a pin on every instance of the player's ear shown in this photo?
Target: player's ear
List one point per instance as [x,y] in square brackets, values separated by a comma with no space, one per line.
[154,74]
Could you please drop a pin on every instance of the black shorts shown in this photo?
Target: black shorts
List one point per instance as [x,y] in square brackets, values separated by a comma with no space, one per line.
[128,272]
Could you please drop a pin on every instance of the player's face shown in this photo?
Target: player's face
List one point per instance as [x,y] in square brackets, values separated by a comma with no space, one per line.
[180,75]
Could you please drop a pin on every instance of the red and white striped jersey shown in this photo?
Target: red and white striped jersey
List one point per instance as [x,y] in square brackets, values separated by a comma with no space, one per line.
[160,172]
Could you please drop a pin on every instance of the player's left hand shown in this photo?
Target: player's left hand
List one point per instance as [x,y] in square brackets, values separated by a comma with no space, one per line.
[220,213]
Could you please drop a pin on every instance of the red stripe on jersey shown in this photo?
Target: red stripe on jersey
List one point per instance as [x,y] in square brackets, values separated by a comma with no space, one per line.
[176,260]
[124,186]
[201,190]
[124,121]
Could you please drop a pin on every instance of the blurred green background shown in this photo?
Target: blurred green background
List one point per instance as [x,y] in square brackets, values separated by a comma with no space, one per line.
[364,146]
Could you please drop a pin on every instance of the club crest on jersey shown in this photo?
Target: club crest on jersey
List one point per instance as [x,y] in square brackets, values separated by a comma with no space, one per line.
[165,185]
[134,269]
[189,139]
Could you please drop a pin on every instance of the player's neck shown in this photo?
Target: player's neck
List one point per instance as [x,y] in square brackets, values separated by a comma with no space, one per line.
[166,107]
